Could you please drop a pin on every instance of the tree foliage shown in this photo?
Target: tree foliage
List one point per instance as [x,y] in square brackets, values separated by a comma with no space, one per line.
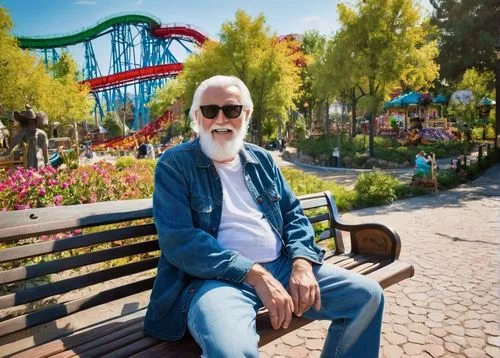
[25,79]
[248,50]
[380,43]
[113,124]
[468,33]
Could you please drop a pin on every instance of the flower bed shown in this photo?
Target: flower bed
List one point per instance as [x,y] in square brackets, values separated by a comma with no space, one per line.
[23,189]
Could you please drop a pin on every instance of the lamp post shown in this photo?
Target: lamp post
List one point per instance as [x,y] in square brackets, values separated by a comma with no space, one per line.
[306,108]
[497,97]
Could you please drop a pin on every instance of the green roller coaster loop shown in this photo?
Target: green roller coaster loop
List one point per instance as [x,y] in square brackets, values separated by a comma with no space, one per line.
[86,34]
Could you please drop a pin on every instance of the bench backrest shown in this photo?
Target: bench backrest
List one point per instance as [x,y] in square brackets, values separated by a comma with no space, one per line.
[49,252]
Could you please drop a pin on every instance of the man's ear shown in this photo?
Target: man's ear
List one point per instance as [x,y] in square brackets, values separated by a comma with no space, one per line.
[197,116]
[248,113]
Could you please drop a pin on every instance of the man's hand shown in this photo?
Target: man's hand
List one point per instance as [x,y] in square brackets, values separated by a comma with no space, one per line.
[303,287]
[273,295]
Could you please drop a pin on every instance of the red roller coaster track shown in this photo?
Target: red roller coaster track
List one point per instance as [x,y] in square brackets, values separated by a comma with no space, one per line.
[132,76]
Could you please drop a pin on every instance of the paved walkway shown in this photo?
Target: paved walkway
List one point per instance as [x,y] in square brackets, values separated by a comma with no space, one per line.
[347,176]
[450,308]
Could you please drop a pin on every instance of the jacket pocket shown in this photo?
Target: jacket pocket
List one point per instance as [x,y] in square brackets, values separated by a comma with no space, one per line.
[272,194]
[202,209]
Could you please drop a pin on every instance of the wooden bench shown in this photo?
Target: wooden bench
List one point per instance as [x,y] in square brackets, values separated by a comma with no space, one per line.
[44,283]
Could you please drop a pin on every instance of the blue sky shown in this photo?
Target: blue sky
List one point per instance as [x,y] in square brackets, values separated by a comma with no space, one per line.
[52,17]
[42,17]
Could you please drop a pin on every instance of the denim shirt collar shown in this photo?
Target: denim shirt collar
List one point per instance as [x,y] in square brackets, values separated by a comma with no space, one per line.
[204,162]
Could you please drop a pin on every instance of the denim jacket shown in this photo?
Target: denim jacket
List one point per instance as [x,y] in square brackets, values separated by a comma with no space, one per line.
[187,209]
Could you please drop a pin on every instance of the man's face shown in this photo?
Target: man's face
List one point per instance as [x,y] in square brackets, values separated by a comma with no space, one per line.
[221,138]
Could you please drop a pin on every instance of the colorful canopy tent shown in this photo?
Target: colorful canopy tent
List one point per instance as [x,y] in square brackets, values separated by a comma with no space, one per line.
[439,99]
[410,99]
[486,102]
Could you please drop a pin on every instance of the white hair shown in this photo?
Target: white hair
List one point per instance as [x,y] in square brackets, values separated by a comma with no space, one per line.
[219,81]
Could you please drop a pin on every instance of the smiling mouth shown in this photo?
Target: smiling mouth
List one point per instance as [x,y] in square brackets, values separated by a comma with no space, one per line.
[222,133]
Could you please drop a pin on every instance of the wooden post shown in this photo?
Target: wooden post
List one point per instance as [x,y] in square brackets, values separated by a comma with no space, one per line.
[433,172]
[25,156]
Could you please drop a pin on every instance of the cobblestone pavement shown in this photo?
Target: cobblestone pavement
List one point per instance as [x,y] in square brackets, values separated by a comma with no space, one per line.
[450,308]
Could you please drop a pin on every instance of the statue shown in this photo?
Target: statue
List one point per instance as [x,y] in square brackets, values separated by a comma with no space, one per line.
[35,140]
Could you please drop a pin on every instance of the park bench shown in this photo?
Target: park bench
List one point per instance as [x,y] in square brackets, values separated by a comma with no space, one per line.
[45,283]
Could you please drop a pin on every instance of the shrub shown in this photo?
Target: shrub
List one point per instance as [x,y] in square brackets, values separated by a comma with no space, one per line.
[302,183]
[124,162]
[376,188]
[447,179]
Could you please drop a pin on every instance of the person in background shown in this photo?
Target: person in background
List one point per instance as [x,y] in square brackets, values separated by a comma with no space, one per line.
[423,164]
[142,150]
[150,150]
[234,239]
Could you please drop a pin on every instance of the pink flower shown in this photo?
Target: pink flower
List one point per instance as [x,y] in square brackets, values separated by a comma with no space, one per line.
[21,207]
[58,200]
[41,191]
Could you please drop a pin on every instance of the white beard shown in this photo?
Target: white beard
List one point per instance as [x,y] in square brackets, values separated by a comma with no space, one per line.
[222,151]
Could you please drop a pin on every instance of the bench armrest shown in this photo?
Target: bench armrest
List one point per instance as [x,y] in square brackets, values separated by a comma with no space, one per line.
[366,239]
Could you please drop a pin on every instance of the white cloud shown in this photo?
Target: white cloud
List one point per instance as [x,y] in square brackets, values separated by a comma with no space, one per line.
[85,2]
[324,26]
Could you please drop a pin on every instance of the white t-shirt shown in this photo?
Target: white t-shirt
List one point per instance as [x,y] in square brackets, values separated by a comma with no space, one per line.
[243,227]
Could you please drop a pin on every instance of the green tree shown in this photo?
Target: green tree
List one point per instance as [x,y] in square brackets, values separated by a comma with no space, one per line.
[247,49]
[113,124]
[468,33]
[69,101]
[313,47]
[25,79]
[381,38]
[482,84]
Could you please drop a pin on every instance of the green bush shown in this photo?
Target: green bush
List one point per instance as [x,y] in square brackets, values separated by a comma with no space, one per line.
[375,188]
[302,183]
[448,179]
[125,162]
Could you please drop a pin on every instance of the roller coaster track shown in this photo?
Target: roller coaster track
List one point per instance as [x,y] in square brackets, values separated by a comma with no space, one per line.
[133,76]
[127,77]
[89,33]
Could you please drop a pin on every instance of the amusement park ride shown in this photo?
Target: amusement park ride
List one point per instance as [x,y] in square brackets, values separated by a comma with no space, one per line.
[141,58]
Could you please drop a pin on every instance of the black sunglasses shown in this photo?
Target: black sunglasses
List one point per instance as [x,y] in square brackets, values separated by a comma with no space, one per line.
[231,111]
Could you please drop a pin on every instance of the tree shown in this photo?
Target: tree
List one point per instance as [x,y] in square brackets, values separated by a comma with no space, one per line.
[25,79]
[468,33]
[69,101]
[313,46]
[249,51]
[113,124]
[482,85]
[381,38]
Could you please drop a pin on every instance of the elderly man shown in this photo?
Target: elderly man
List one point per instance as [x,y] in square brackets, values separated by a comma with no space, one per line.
[234,239]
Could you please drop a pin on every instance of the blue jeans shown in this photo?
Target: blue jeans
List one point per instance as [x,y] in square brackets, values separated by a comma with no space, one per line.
[221,316]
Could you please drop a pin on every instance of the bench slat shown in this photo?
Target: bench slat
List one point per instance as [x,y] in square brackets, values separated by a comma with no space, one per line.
[313,202]
[28,272]
[61,310]
[136,347]
[35,222]
[392,274]
[375,266]
[26,251]
[103,340]
[319,218]
[39,292]
[63,345]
